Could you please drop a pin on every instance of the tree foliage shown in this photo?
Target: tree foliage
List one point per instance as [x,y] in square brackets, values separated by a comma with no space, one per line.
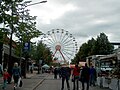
[100,46]
[42,52]
[20,23]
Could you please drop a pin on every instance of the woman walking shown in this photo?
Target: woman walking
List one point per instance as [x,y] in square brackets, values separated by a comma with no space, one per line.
[16,74]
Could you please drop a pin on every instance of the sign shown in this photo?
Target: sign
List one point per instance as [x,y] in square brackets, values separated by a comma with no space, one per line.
[26,46]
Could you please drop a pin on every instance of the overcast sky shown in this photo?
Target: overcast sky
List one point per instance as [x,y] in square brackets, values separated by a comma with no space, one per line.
[83,18]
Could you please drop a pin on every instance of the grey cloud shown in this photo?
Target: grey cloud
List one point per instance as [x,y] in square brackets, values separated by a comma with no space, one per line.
[79,22]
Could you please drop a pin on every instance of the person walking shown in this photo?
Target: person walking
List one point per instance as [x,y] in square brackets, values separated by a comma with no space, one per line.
[75,76]
[93,76]
[16,72]
[6,75]
[85,76]
[65,75]
[55,73]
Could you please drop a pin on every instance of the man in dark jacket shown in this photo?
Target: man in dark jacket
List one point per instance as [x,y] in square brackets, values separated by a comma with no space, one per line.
[85,76]
[65,74]
[93,75]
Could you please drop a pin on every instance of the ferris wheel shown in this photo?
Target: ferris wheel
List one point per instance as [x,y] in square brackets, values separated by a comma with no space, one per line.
[62,44]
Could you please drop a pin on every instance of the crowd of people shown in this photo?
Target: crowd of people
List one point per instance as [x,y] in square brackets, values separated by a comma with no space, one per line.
[78,75]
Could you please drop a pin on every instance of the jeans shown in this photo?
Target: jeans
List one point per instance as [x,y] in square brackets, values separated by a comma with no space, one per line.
[92,80]
[5,84]
[67,81]
[83,86]
[76,83]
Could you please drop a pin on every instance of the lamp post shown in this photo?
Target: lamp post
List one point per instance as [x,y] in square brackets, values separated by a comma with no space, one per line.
[37,3]
[28,34]
[11,35]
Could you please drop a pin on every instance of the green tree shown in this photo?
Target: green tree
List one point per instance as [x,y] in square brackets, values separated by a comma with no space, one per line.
[8,15]
[103,45]
[13,23]
[21,24]
[100,46]
[42,52]
[91,44]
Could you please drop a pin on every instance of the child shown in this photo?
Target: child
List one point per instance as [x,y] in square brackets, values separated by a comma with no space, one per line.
[5,77]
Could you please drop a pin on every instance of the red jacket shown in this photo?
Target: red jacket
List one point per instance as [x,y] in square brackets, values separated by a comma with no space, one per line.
[76,71]
[6,75]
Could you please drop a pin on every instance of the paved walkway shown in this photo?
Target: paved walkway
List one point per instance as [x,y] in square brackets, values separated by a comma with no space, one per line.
[29,83]
[43,82]
[55,84]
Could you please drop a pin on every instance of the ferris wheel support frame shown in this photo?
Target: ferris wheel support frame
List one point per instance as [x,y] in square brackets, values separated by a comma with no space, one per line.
[58,49]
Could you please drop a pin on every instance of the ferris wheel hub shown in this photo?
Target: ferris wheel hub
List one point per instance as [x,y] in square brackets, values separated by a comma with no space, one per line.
[58,47]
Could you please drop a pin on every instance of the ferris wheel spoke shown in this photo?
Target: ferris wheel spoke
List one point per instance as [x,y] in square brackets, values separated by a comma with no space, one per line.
[67,41]
[49,42]
[69,53]
[68,50]
[68,44]
[52,38]
[58,34]
[63,37]
[66,55]
[55,37]
[48,38]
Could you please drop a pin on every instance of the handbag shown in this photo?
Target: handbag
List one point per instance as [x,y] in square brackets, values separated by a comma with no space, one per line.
[20,82]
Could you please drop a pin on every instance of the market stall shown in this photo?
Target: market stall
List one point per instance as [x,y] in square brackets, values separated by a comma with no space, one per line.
[109,76]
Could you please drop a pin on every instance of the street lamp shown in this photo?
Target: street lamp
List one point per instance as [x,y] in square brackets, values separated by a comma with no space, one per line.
[23,6]
[37,3]
[12,31]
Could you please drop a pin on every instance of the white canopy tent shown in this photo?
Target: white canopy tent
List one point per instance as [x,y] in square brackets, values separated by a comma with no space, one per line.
[46,66]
